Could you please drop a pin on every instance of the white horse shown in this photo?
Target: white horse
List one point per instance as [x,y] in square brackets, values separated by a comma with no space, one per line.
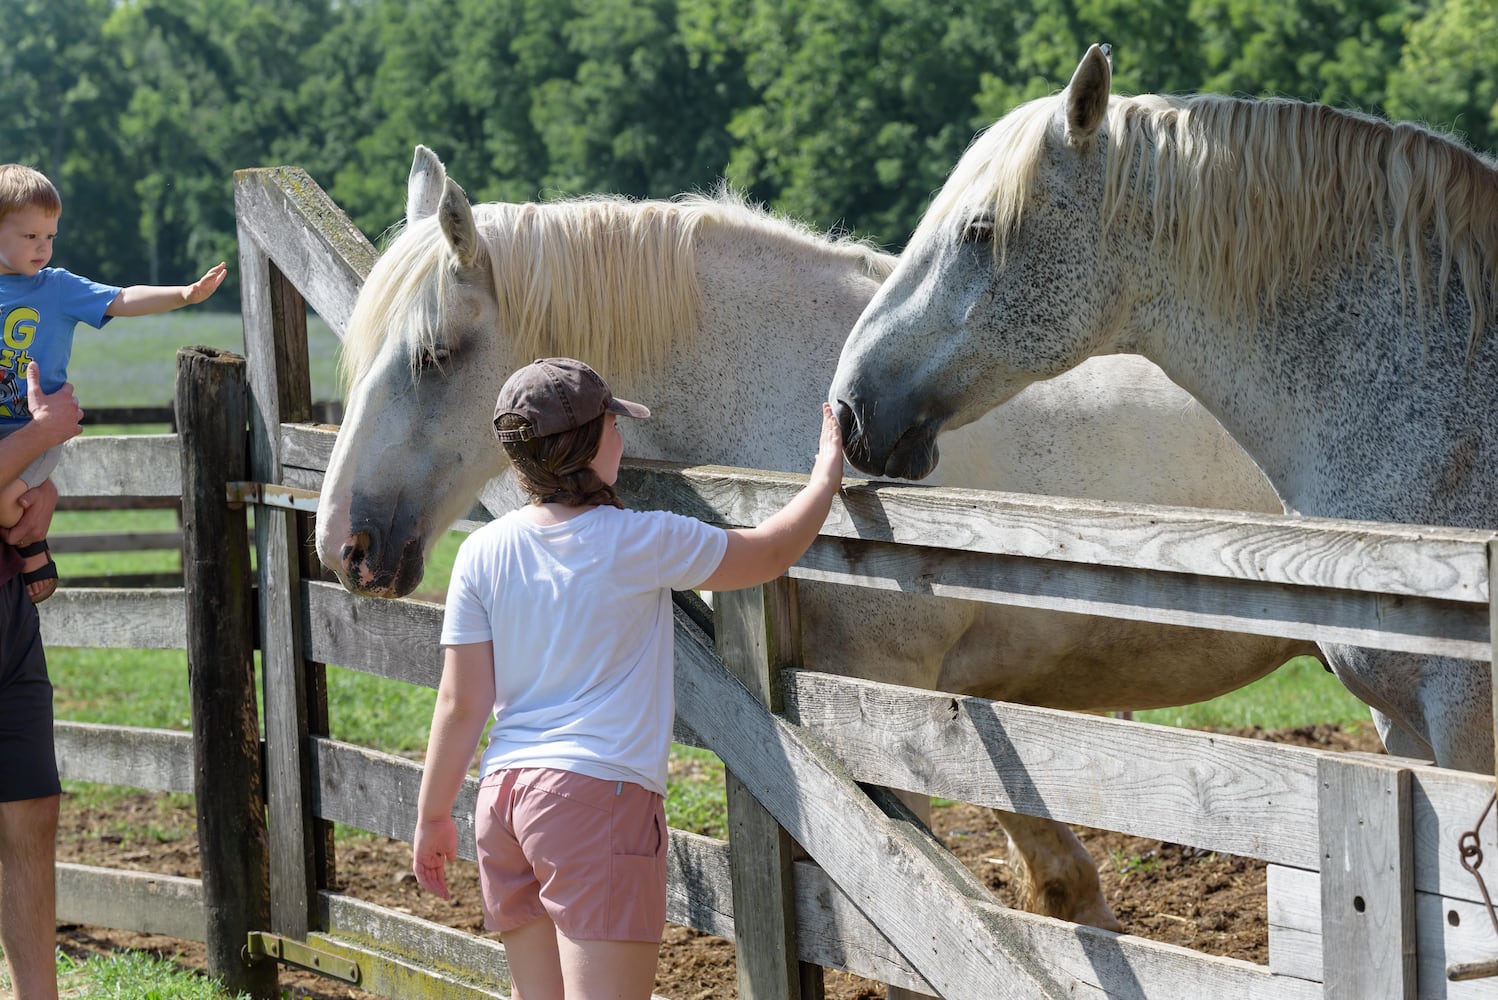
[726,321]
[1323,282]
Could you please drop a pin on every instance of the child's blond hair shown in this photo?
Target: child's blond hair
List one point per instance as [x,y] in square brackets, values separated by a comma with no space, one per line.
[22,187]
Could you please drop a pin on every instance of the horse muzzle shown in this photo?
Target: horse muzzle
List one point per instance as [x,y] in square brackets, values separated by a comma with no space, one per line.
[910,454]
[366,567]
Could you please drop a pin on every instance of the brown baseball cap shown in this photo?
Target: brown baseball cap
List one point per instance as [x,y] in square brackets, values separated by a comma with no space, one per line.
[553,395]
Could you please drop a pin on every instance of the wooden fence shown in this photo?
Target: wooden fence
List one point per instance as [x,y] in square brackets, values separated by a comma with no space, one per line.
[1367,894]
[74,543]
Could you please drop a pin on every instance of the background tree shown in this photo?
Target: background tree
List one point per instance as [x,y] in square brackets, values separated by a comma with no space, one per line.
[844,113]
[862,106]
[215,87]
[64,90]
[1445,74]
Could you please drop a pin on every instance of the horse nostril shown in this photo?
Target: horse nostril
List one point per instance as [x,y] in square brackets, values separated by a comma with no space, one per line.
[356,548]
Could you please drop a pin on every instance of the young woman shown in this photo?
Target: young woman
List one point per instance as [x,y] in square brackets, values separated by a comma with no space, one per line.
[559,626]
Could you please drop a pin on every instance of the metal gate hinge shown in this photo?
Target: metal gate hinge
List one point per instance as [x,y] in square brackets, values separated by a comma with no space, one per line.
[262,944]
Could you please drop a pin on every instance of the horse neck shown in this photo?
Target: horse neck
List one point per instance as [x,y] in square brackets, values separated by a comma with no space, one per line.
[746,389]
[1342,399]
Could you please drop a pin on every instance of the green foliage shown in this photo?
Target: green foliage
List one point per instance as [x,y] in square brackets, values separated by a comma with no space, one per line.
[839,112]
[1445,72]
[63,97]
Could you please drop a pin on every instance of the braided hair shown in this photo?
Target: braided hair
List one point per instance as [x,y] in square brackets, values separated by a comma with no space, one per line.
[555,469]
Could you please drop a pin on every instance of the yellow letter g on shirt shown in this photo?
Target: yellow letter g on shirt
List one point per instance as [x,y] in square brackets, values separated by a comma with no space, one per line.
[20,328]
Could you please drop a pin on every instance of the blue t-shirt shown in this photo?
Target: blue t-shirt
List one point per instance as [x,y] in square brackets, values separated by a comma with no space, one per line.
[37,316]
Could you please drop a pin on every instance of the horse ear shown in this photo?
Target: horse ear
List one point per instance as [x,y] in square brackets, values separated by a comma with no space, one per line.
[1086,96]
[456,219]
[424,186]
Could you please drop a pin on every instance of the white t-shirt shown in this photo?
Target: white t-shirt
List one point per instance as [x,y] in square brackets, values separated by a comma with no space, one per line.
[580,617]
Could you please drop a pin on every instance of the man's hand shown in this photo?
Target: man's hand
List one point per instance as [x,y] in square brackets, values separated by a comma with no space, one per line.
[37,507]
[57,414]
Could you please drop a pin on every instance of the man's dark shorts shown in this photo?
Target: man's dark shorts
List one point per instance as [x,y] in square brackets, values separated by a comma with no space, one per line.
[28,762]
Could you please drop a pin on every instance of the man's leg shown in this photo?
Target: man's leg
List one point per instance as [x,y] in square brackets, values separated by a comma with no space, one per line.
[29,797]
[28,895]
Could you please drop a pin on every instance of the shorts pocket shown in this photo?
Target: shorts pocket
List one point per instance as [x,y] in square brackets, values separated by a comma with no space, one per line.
[637,898]
[639,832]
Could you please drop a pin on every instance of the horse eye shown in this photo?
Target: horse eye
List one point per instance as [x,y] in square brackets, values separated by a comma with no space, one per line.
[979,229]
[434,357]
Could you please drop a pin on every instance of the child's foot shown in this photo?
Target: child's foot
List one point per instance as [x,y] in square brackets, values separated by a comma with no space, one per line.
[38,571]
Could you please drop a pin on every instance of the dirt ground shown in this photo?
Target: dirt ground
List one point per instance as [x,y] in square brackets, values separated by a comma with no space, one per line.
[1211,903]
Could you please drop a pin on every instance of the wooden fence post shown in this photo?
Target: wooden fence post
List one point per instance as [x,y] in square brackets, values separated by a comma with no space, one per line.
[1493,641]
[759,634]
[230,798]
[295,691]
[1367,878]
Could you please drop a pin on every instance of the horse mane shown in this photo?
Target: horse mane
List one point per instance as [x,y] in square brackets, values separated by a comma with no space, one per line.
[601,277]
[1250,197]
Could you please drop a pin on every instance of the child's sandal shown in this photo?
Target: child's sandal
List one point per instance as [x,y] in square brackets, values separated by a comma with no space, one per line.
[41,583]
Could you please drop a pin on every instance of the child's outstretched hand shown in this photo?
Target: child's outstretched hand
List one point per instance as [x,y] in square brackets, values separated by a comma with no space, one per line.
[829,461]
[206,285]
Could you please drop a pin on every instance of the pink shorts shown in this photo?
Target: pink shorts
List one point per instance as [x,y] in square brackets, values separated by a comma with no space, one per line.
[590,854]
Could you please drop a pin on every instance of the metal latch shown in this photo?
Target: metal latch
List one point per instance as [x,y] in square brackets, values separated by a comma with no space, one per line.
[266,945]
[1464,971]
[1470,847]
[271,495]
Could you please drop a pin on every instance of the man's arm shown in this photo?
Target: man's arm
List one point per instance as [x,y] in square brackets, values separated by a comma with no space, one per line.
[147,300]
[38,505]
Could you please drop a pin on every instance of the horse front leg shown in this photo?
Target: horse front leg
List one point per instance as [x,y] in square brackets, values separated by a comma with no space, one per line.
[1054,874]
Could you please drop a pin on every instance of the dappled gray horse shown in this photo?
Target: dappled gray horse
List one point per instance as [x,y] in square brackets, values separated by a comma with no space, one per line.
[1323,282]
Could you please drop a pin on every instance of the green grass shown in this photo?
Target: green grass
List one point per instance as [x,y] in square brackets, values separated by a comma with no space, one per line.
[694,792]
[129,975]
[133,361]
[1300,693]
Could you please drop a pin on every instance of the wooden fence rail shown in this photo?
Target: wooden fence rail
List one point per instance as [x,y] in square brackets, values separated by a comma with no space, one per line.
[1218,793]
